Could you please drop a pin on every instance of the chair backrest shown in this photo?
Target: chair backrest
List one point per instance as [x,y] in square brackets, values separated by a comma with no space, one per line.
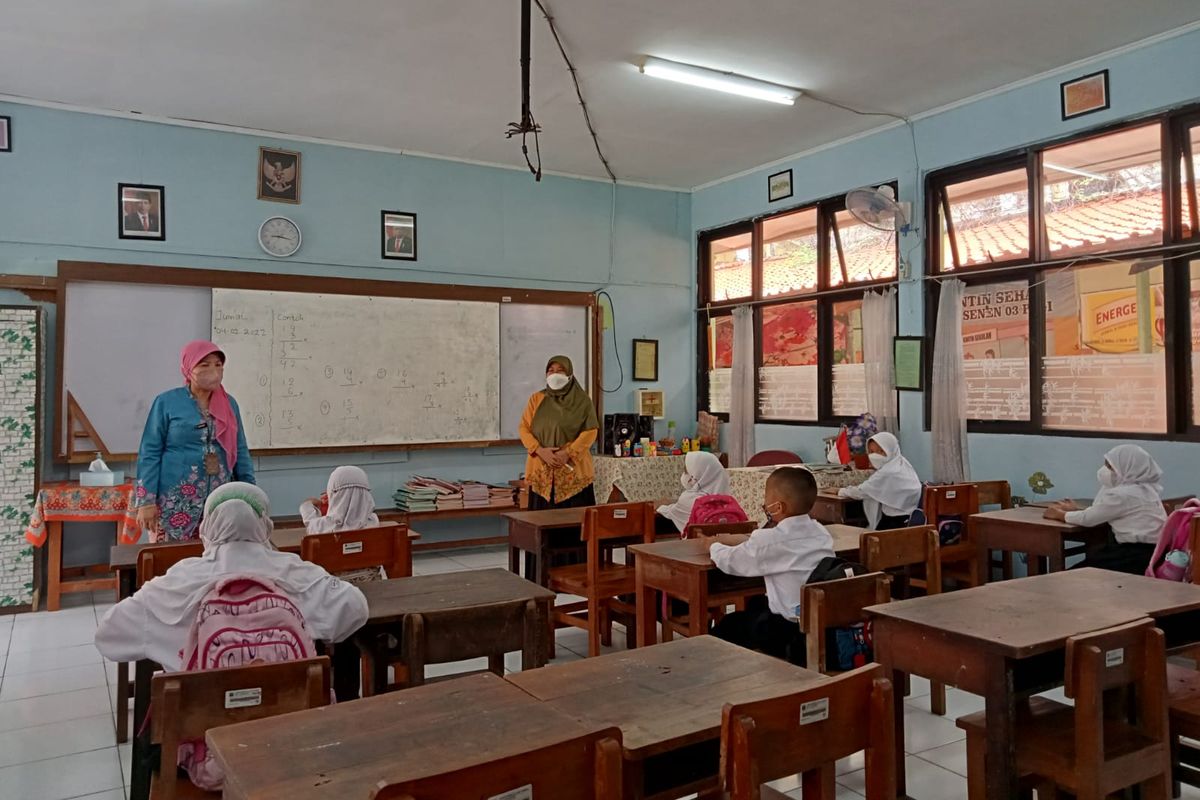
[770,458]
[383,546]
[950,500]
[156,559]
[808,731]
[188,704]
[717,528]
[631,522]
[1129,655]
[880,551]
[838,604]
[1172,503]
[586,767]
[994,493]
[1194,549]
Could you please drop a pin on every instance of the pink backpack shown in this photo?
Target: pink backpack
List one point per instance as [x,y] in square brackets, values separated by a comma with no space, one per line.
[1171,560]
[716,508]
[242,619]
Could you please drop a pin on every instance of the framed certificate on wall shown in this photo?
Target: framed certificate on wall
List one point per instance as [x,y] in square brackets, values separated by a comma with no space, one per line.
[645,359]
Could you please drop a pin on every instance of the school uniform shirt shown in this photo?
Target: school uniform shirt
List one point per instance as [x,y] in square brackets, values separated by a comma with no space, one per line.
[1132,503]
[784,556]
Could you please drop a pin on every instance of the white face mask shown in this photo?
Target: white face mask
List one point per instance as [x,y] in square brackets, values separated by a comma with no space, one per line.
[557,380]
[877,459]
[1106,477]
[687,481]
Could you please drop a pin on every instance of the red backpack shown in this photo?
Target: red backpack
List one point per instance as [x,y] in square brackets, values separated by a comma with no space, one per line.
[243,619]
[1171,560]
[716,508]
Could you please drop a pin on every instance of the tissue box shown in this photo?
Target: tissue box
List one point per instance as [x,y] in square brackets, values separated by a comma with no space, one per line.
[101,478]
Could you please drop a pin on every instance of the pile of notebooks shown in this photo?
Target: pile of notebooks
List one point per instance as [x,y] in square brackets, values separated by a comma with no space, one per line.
[434,494]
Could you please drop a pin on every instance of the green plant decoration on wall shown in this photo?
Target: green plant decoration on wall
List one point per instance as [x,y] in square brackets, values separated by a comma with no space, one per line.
[1040,483]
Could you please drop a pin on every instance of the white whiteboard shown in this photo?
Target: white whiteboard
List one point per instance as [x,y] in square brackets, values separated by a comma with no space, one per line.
[529,336]
[121,344]
[317,370]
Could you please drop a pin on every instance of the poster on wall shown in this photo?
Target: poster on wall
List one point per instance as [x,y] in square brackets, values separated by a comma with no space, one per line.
[1109,320]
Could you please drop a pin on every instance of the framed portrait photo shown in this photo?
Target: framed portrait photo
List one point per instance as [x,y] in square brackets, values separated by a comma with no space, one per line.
[278,175]
[5,134]
[1084,95]
[141,211]
[779,186]
[398,235]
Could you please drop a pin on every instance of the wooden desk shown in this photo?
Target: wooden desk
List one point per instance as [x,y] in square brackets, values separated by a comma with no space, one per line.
[1025,530]
[667,701]
[542,535]
[831,508]
[455,616]
[344,751]
[1005,641]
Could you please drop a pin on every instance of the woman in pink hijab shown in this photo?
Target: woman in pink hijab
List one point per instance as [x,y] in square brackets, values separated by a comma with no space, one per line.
[193,442]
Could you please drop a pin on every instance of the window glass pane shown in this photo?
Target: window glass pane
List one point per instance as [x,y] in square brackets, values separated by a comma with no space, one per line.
[1188,189]
[1104,368]
[720,363]
[788,377]
[1104,193]
[729,267]
[995,331]
[991,219]
[868,254]
[1194,306]
[789,253]
[849,373]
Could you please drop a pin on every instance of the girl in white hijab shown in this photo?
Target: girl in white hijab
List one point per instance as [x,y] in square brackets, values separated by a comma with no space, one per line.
[1130,502]
[702,474]
[351,506]
[893,491]
[236,531]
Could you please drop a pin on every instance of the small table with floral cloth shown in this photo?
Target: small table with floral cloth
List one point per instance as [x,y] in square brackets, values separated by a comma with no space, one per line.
[749,483]
[67,501]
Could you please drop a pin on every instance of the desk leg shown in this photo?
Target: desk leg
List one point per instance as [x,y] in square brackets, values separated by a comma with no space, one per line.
[54,566]
[534,645]
[514,560]
[983,558]
[698,604]
[139,781]
[125,581]
[819,783]
[647,605]
[899,679]
[1001,712]
[1058,561]
[414,649]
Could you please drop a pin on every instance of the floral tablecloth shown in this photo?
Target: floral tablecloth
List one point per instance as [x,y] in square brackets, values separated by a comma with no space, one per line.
[67,501]
[657,478]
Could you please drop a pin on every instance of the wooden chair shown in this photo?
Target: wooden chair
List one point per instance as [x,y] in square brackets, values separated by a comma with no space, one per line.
[838,604]
[960,562]
[884,551]
[600,580]
[384,546]
[586,767]
[761,740]
[188,704]
[771,458]
[1092,750]
[155,560]
[999,494]
[719,601]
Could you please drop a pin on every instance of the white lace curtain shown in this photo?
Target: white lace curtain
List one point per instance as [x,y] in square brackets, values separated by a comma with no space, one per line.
[741,409]
[951,461]
[879,330]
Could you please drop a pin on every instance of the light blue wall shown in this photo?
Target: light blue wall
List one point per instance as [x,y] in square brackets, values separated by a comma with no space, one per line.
[476,225]
[1152,78]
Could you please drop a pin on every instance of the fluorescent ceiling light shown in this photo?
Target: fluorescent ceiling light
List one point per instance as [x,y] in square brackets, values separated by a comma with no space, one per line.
[720,81]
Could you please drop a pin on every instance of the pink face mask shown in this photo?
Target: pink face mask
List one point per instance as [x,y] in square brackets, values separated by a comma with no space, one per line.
[207,378]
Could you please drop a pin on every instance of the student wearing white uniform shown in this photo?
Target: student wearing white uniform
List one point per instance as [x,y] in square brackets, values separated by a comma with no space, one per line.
[351,506]
[1130,501]
[784,553]
[154,622]
[893,491]
[703,475]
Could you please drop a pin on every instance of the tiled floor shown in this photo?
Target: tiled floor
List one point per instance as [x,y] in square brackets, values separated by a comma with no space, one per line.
[57,730]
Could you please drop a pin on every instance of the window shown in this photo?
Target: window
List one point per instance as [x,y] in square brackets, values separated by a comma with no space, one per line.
[995,333]
[804,270]
[1075,318]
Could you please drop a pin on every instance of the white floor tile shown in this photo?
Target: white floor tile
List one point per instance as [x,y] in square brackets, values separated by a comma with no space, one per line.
[951,756]
[66,777]
[851,764]
[481,558]
[454,667]
[57,739]
[54,708]
[843,793]
[919,685]
[57,681]
[923,731]
[113,794]
[125,754]
[435,565]
[923,779]
[45,632]
[958,704]
[6,620]
[27,661]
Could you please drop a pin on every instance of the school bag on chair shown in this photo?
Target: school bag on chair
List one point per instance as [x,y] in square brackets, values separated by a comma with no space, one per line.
[716,508]
[242,620]
[850,647]
[1171,560]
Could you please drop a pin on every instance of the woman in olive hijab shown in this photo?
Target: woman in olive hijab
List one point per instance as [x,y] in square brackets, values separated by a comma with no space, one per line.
[558,428]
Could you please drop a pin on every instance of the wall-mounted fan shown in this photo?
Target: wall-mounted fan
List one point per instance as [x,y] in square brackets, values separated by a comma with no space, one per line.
[878,208]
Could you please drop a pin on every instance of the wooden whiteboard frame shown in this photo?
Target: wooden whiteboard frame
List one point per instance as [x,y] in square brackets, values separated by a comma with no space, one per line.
[99,272]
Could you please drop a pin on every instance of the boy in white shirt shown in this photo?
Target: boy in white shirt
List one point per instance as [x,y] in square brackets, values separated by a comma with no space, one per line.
[784,553]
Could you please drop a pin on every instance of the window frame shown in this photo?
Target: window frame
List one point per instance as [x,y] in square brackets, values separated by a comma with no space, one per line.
[1174,128]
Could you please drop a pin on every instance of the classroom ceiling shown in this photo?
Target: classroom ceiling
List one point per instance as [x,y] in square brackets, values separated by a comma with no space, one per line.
[442,77]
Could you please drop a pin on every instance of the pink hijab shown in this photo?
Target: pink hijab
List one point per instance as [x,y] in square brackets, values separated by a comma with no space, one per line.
[218,405]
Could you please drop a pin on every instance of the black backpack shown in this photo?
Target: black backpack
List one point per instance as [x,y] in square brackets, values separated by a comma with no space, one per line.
[845,648]
[832,568]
